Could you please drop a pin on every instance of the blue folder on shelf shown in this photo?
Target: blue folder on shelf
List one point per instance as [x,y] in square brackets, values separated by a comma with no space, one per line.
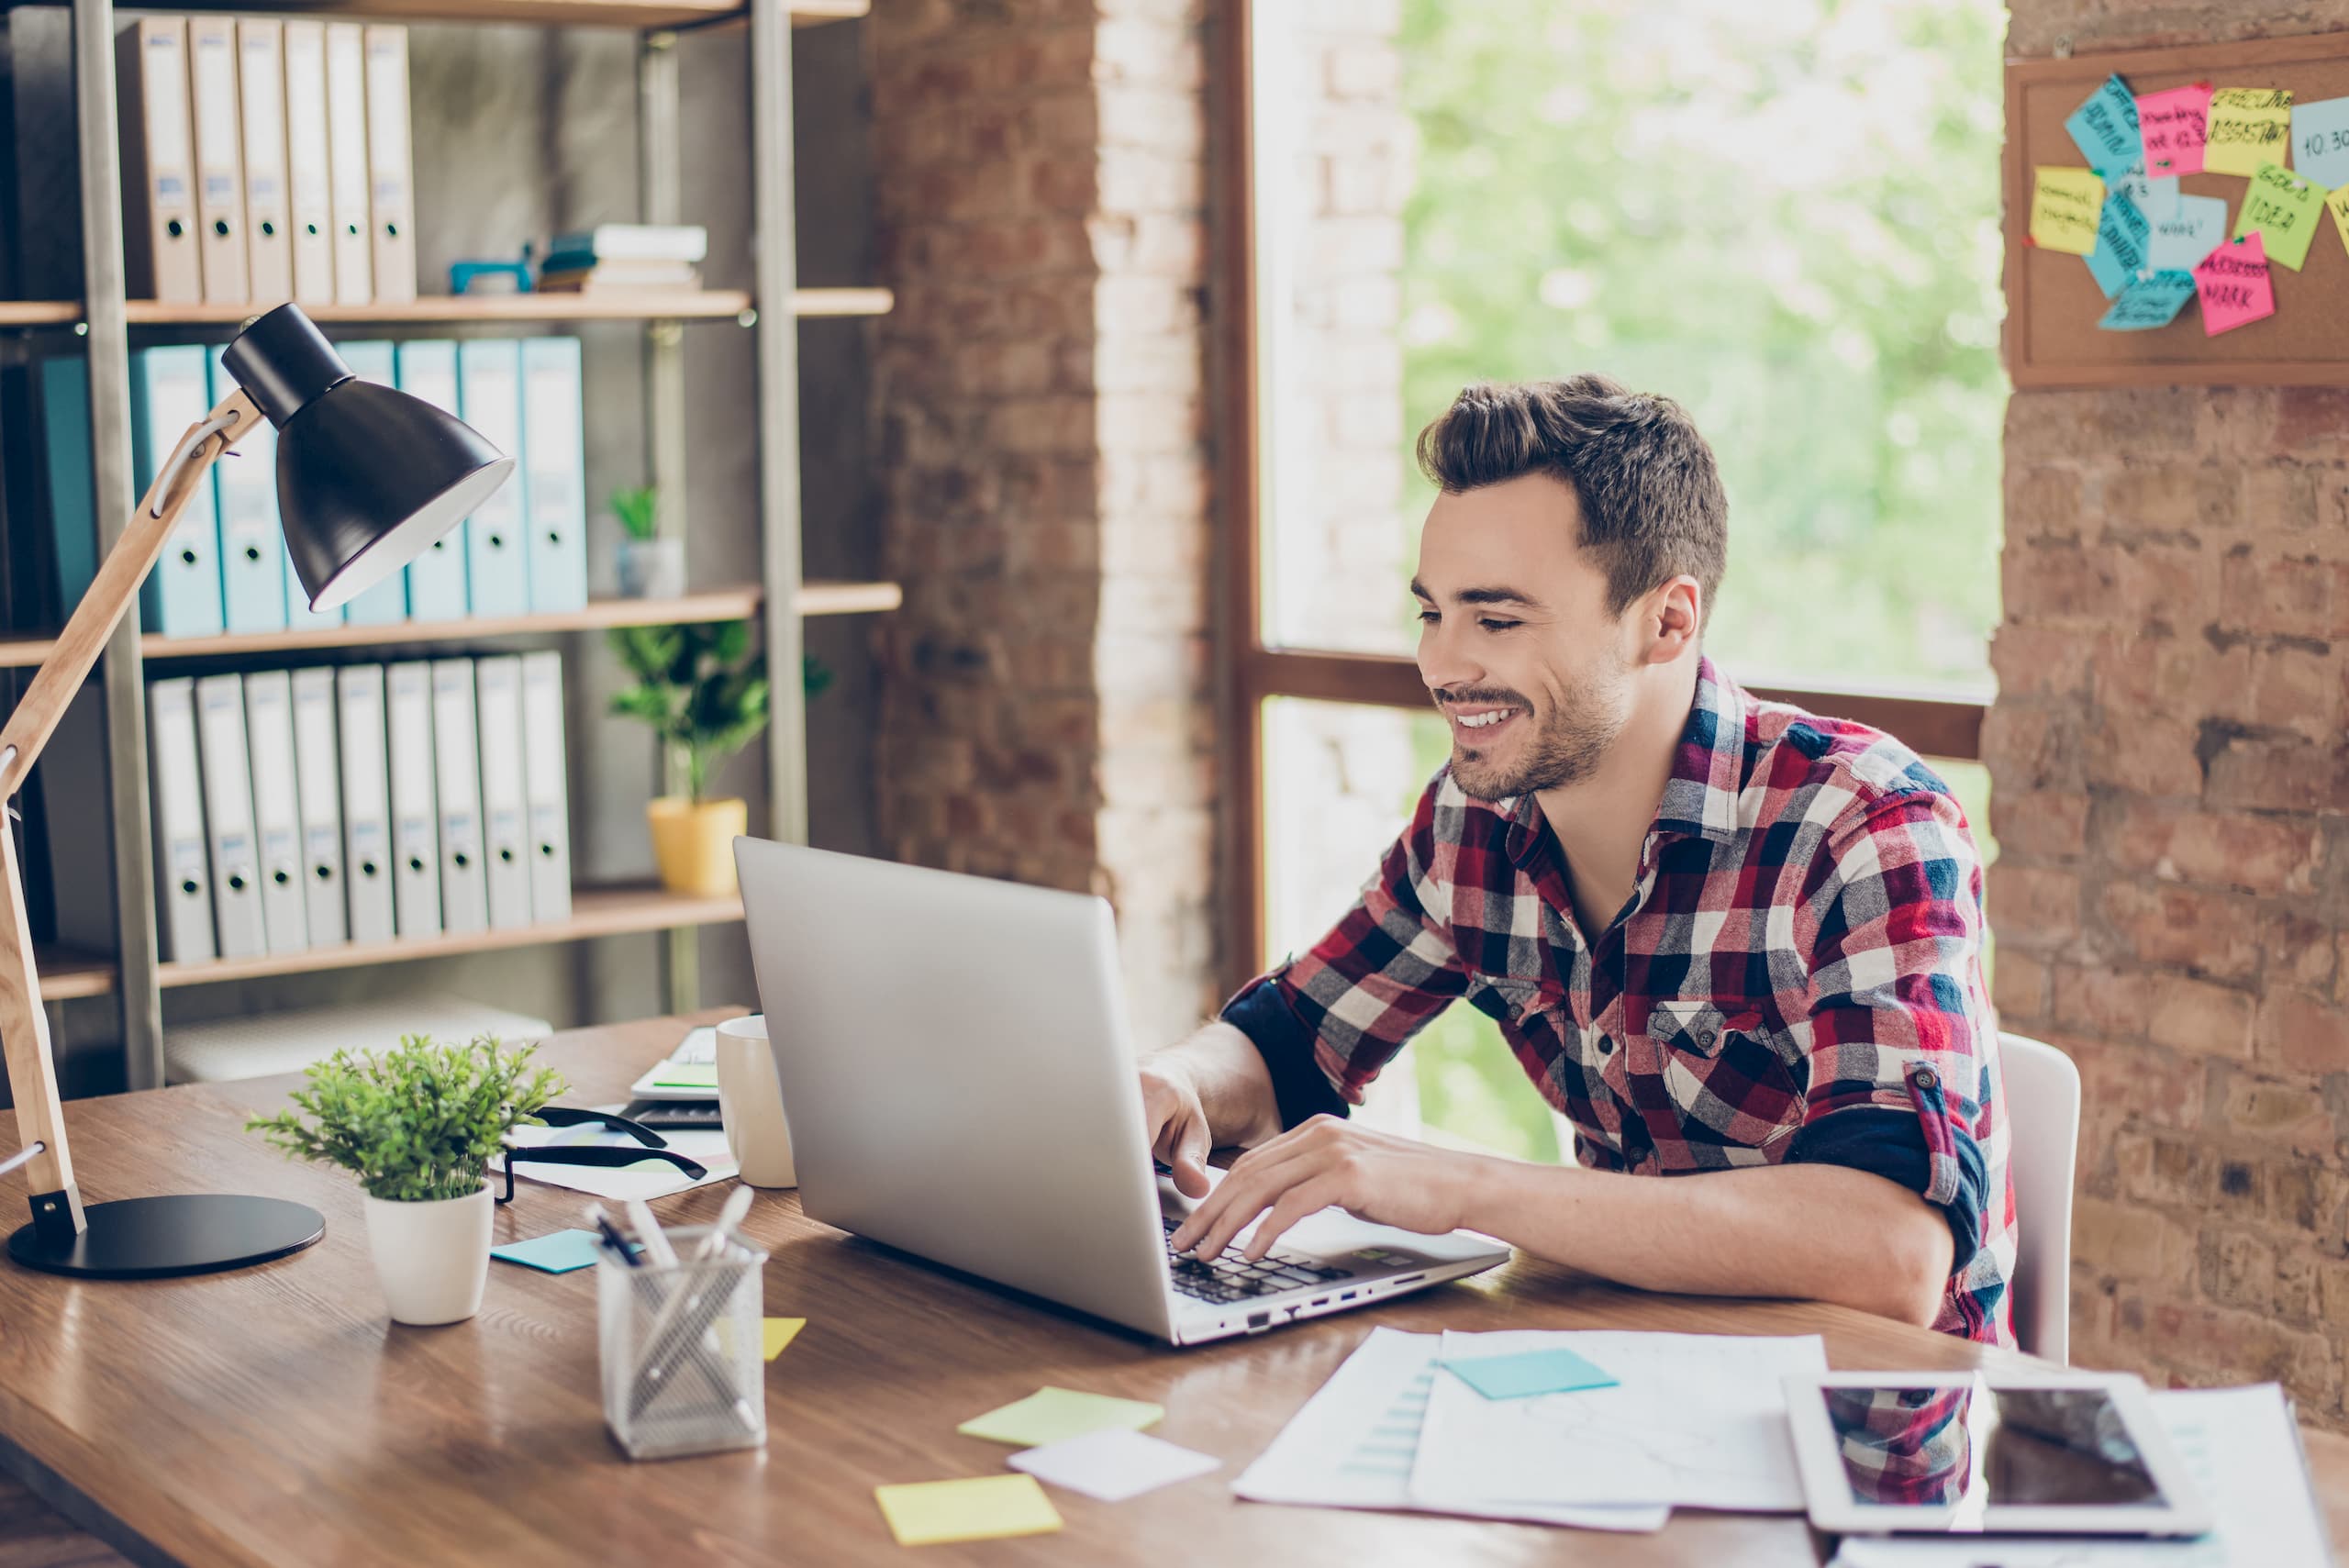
[253,562]
[489,398]
[72,509]
[181,596]
[437,588]
[554,442]
[385,604]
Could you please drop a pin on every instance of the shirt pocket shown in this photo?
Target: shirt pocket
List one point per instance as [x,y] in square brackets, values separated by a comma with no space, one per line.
[1718,1069]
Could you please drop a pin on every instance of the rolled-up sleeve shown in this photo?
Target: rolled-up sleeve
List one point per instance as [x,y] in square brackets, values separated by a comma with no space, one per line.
[1327,1022]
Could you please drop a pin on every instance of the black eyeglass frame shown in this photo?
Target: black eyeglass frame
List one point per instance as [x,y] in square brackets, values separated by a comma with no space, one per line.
[655,1146]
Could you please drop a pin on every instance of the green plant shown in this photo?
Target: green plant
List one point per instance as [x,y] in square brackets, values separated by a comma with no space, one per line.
[637,508]
[415,1123]
[699,687]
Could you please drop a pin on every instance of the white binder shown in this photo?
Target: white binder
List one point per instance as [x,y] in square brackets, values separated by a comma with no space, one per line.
[391,179]
[308,189]
[416,838]
[545,785]
[505,804]
[456,738]
[260,91]
[354,276]
[160,251]
[318,782]
[277,809]
[219,159]
[228,815]
[182,856]
[366,803]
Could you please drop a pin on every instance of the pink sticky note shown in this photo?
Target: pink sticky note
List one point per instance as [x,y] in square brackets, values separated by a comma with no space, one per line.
[2234,285]
[2171,123]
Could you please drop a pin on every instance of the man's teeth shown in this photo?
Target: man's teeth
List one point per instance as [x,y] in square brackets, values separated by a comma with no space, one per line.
[1481,720]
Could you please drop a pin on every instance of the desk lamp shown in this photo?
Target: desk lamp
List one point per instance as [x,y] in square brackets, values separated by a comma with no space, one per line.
[367,478]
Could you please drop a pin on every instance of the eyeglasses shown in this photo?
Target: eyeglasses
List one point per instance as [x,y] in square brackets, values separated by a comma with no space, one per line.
[655,1146]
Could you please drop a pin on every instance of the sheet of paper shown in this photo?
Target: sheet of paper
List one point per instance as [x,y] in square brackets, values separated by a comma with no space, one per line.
[2065,203]
[2105,128]
[1553,1370]
[2285,210]
[558,1252]
[2179,243]
[647,1179]
[1114,1465]
[2122,237]
[2248,126]
[2234,285]
[2152,299]
[1695,1419]
[2156,198]
[985,1507]
[2321,142]
[1354,1444]
[2170,123]
[2240,1447]
[1054,1415]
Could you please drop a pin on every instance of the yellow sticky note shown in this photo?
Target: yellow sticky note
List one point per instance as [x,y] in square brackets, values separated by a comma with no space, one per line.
[2248,126]
[2064,206]
[2282,206]
[1054,1414]
[2337,204]
[781,1331]
[987,1507]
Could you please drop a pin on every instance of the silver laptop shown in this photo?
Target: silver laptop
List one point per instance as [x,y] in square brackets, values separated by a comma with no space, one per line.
[959,1084]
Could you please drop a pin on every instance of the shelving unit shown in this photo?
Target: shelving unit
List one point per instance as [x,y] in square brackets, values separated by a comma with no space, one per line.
[106,318]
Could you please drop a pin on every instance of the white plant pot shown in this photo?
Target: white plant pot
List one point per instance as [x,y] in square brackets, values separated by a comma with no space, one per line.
[432,1259]
[653,568]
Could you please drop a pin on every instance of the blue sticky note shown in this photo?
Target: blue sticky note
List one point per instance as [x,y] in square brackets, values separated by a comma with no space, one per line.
[2104,128]
[2321,142]
[2152,299]
[2178,244]
[2122,235]
[558,1254]
[2156,198]
[1529,1373]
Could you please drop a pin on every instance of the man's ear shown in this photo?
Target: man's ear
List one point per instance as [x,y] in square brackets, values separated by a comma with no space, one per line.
[1671,620]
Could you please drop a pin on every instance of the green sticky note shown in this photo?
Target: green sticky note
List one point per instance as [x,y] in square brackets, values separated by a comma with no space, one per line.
[2285,208]
[686,1076]
[557,1253]
[987,1507]
[1054,1415]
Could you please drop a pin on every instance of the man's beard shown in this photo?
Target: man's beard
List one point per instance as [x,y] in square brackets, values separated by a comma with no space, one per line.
[1568,747]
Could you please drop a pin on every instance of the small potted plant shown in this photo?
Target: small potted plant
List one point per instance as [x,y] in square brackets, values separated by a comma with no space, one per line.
[418,1125]
[705,694]
[650,567]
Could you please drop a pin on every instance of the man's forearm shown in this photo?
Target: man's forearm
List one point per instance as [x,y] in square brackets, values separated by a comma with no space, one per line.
[1818,1232]
[1235,1088]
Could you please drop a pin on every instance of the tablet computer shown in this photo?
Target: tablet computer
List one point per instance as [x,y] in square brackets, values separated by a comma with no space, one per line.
[1988,1454]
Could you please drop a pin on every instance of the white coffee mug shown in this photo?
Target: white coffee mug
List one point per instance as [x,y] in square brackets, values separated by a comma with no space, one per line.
[749,1101]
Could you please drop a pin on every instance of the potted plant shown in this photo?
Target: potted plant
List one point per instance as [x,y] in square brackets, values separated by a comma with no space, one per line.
[418,1125]
[705,694]
[650,567]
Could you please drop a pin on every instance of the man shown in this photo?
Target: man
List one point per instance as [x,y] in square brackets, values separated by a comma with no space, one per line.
[1733,943]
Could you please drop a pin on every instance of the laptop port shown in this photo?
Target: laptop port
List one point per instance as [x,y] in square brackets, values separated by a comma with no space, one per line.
[1259,1320]
[1320,1301]
[1345,1295]
[1409,1279]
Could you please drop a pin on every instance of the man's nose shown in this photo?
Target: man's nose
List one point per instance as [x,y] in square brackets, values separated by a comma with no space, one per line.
[1443,663]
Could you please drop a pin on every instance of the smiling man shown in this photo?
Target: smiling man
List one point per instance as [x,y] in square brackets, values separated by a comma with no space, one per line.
[1734,944]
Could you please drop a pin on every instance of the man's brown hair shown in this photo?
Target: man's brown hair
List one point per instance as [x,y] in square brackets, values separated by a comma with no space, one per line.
[1652,501]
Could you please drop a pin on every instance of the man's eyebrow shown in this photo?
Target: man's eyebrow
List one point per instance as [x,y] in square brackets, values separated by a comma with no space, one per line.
[1482,596]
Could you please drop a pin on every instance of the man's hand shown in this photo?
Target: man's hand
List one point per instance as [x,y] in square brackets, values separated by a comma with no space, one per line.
[1372,1175]
[1177,1122]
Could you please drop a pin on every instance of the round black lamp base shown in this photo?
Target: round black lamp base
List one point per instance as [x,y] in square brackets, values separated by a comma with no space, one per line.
[183,1233]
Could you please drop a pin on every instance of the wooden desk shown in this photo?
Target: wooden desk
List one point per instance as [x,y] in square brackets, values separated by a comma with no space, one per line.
[276,1416]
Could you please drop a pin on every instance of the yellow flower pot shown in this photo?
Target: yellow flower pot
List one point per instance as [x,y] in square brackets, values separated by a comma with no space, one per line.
[693,844]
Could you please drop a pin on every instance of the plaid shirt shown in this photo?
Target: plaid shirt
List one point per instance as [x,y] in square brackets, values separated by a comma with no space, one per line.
[1797,976]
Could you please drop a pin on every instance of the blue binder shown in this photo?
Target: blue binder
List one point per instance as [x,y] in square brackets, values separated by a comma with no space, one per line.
[182,596]
[554,443]
[436,580]
[72,508]
[489,398]
[385,604]
[254,563]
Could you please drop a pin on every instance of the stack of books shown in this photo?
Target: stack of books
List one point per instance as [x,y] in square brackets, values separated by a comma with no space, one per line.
[621,257]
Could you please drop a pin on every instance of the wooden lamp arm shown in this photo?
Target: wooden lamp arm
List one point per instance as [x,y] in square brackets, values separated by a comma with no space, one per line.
[24,1026]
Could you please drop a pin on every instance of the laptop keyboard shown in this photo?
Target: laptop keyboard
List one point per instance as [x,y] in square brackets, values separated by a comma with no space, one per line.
[1233,1278]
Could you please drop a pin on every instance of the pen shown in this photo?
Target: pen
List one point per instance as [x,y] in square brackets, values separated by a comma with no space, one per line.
[737,1203]
[612,1236]
[649,1231]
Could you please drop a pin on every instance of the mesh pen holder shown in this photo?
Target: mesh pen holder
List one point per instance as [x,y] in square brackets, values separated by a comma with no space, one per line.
[681,1350]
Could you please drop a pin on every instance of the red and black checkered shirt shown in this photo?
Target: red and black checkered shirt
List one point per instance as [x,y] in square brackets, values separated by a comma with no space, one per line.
[1796,977]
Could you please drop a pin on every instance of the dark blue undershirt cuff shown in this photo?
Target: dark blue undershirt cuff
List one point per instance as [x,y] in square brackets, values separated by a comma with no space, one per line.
[1299,1086]
[1888,1142]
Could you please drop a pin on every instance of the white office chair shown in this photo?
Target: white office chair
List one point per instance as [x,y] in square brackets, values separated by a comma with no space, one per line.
[2043,1120]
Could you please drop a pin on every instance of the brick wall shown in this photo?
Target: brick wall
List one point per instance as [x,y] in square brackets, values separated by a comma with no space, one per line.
[2171,797]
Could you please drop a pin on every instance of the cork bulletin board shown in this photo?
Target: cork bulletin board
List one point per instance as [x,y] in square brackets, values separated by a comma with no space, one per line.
[2052,302]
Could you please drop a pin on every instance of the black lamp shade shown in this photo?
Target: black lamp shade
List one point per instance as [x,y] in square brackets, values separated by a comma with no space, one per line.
[367,477]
